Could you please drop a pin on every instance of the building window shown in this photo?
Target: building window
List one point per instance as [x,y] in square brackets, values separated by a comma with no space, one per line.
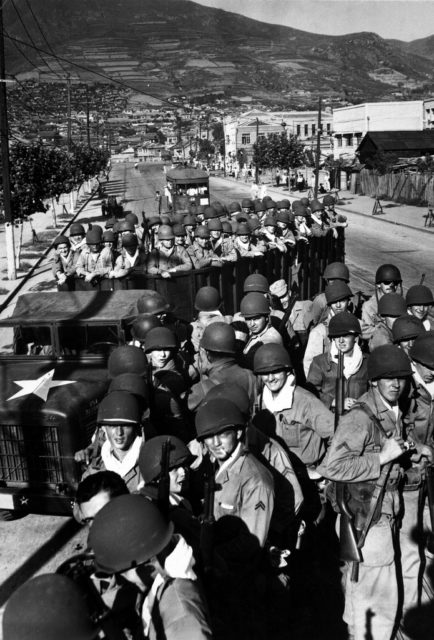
[299,129]
[245,138]
[313,129]
[339,140]
[328,127]
[306,130]
[261,136]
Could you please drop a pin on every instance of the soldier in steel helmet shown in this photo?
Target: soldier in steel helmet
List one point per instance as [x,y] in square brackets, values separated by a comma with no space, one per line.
[97,262]
[131,258]
[217,364]
[344,331]
[167,258]
[208,304]
[242,243]
[255,308]
[222,248]
[420,302]
[365,454]
[387,280]
[338,296]
[140,327]
[62,265]
[405,330]
[333,271]
[200,251]
[133,540]
[48,607]
[390,307]
[416,521]
[77,238]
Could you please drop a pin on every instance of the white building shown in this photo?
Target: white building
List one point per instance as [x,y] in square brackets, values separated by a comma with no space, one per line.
[350,124]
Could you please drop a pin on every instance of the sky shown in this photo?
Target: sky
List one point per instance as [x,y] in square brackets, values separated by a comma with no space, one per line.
[400,19]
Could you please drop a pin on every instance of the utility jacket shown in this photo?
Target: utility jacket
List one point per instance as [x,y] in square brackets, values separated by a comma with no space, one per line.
[177,258]
[323,373]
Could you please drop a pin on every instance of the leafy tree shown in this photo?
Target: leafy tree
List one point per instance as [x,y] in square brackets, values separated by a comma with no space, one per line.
[382,161]
[206,148]
[278,150]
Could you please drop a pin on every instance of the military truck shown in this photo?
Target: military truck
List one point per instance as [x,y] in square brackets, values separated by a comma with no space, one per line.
[52,377]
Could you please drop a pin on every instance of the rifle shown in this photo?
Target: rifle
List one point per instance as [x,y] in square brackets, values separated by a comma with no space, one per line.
[79,569]
[349,551]
[164,481]
[429,479]
[207,522]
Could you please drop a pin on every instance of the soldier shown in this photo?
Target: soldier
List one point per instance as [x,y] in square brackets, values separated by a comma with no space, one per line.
[48,607]
[161,348]
[419,429]
[143,323]
[405,330]
[63,266]
[166,258]
[387,280]
[200,252]
[221,248]
[127,359]
[131,538]
[119,416]
[255,309]
[96,263]
[77,237]
[300,420]
[242,244]
[217,350]
[343,331]
[338,295]
[390,307]
[131,257]
[419,301]
[208,303]
[270,236]
[333,271]
[365,452]
[189,223]
[94,492]
[283,222]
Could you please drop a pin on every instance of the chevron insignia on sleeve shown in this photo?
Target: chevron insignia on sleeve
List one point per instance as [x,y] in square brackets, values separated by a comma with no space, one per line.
[260,505]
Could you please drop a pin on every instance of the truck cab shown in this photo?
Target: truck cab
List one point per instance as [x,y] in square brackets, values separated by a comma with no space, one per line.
[53,375]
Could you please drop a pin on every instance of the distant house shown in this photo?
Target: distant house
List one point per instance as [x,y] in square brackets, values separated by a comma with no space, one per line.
[405,144]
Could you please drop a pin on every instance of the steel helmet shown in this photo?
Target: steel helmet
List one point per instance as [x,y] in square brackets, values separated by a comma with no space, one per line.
[283,204]
[207,299]
[419,294]
[227,227]
[299,209]
[127,359]
[343,324]
[316,205]
[283,216]
[328,200]
[254,304]
[202,232]
[76,229]
[118,407]
[235,207]
[422,350]
[153,220]
[305,201]
[253,224]
[125,225]
[128,531]
[48,607]
[210,212]
[336,291]
[153,303]
[387,273]
[130,240]
[219,208]
[255,282]
[246,203]
[160,338]
[179,230]
[215,225]
[243,229]
[258,206]
[61,240]
[392,304]
[110,223]
[150,456]
[178,217]
[388,361]
[271,357]
[269,203]
[233,392]
[407,327]
[131,217]
[219,337]
[336,271]
[270,221]
[130,383]
[108,236]
[94,236]
[189,221]
[166,219]
[142,324]
[165,232]
[217,415]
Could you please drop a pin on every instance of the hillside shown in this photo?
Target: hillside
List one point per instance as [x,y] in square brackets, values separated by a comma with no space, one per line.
[179,47]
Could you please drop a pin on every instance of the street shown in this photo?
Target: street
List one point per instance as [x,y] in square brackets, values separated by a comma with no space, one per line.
[35,544]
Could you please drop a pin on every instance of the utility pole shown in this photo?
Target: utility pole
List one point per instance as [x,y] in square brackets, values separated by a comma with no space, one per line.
[4,135]
[256,164]
[87,117]
[318,150]
[68,98]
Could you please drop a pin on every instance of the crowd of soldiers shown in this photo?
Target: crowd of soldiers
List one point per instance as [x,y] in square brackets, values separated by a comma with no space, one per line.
[230,449]
[204,236]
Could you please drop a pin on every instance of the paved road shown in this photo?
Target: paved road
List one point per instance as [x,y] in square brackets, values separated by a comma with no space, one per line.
[36,543]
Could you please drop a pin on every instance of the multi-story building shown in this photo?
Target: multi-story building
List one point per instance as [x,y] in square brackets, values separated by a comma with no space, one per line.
[241,132]
[350,124]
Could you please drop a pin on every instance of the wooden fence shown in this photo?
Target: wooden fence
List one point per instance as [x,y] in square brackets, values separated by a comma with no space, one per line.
[407,188]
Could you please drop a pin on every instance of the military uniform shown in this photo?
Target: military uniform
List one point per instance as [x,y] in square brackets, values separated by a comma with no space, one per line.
[99,264]
[223,248]
[370,317]
[318,342]
[381,335]
[126,262]
[163,260]
[353,458]
[267,335]
[323,374]
[128,468]
[202,257]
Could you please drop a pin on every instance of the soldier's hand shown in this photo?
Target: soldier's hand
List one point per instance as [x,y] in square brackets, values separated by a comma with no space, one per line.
[165,274]
[422,451]
[391,449]
[348,403]
[84,455]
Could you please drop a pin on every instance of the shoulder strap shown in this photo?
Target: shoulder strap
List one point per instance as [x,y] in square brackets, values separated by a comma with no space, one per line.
[367,409]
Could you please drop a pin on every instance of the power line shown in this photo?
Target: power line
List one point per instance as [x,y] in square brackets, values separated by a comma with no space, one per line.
[31,39]
[83,68]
